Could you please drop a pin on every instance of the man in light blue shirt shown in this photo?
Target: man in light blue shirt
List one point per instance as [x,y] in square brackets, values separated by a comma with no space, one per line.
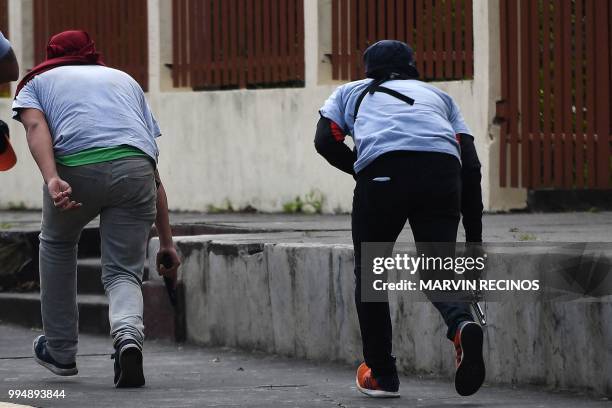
[415,161]
[92,135]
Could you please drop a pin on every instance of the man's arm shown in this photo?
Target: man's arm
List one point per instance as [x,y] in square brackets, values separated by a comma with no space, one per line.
[41,147]
[167,259]
[329,142]
[471,194]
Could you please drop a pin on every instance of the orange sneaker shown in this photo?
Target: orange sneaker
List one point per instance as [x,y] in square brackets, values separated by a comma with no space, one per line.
[367,384]
[470,364]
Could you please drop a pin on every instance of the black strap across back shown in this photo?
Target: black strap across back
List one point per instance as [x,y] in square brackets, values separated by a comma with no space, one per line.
[376,86]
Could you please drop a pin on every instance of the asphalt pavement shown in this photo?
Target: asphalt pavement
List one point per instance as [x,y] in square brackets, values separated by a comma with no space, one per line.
[190,376]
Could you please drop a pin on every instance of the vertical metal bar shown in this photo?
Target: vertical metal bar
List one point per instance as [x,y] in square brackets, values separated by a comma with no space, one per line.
[371,21]
[448,39]
[420,38]
[353,45]
[513,94]
[251,44]
[534,99]
[283,40]
[547,93]
[300,39]
[344,14]
[590,91]
[410,22]
[558,92]
[439,49]
[503,133]
[193,53]
[390,20]
[225,47]
[567,113]
[274,41]
[381,26]
[579,92]
[144,45]
[568,86]
[429,49]
[233,64]
[335,40]
[176,63]
[457,35]
[363,35]
[183,44]
[469,40]
[293,39]
[602,96]
[217,41]
[526,37]
[400,24]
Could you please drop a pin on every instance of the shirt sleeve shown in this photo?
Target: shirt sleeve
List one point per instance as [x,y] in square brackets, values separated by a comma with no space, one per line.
[333,108]
[152,124]
[5,45]
[456,119]
[149,118]
[26,99]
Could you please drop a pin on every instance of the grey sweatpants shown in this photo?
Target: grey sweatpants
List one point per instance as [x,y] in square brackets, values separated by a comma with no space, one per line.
[123,193]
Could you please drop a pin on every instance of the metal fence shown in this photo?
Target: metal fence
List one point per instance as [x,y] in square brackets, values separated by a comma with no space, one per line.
[119,28]
[221,44]
[556,88]
[440,32]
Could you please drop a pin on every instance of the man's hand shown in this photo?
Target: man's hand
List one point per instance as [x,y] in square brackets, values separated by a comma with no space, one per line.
[168,261]
[60,191]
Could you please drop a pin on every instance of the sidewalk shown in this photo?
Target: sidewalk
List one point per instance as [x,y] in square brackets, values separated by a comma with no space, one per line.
[187,376]
[551,227]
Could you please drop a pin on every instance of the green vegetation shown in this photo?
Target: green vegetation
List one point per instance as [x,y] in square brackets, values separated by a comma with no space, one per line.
[311,203]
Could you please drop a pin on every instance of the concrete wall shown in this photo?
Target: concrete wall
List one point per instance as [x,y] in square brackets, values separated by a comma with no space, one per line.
[297,300]
[254,147]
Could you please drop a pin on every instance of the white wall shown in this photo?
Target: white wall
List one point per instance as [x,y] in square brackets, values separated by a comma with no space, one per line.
[254,147]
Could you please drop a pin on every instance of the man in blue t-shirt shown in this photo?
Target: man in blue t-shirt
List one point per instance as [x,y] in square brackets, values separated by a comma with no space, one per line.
[92,135]
[415,161]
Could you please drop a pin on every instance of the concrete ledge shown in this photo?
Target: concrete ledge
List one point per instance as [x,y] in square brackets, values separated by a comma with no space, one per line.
[296,299]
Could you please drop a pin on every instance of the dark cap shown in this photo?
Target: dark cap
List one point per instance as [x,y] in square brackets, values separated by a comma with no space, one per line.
[389,56]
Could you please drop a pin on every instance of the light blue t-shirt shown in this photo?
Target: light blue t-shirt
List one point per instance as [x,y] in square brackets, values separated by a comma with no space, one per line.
[386,123]
[90,106]
[5,45]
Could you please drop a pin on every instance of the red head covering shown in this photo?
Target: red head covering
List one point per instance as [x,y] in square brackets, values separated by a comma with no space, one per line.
[73,47]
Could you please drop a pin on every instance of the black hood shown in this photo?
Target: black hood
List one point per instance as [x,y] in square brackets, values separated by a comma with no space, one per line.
[388,57]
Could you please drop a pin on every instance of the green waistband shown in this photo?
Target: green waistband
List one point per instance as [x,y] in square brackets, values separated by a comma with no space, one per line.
[99,155]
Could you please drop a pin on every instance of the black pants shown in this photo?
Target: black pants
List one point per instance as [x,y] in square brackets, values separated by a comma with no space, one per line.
[425,189]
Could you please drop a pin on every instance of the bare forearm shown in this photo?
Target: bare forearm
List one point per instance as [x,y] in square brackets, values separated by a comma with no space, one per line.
[162,220]
[39,142]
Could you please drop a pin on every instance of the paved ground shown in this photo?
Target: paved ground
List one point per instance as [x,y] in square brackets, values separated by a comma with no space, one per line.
[197,377]
[552,227]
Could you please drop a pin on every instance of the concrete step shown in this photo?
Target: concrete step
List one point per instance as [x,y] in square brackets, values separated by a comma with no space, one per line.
[24,309]
[89,276]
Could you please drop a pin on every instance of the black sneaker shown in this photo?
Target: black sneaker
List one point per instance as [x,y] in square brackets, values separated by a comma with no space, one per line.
[42,357]
[128,365]
[470,365]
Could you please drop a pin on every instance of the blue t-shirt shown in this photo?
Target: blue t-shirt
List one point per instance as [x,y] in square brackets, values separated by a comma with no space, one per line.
[90,106]
[5,46]
[386,123]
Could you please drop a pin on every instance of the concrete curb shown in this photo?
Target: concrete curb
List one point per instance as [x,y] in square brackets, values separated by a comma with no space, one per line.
[296,299]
